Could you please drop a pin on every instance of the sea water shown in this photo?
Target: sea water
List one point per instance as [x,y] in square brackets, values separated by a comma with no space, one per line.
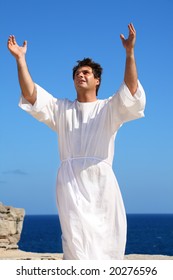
[146,234]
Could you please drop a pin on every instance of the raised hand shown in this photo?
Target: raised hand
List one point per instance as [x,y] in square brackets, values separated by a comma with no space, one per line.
[16,50]
[129,43]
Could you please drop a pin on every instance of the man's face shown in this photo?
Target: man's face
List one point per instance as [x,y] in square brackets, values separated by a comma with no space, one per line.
[84,79]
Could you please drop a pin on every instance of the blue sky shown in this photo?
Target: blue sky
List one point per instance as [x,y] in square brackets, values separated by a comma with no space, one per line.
[59,32]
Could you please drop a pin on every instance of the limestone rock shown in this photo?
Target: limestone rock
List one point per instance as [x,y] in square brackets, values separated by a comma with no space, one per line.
[11,223]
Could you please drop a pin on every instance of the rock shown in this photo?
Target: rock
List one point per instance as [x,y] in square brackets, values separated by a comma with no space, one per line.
[22,255]
[11,223]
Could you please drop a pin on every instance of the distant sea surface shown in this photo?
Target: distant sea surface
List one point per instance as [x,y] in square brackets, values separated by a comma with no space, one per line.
[147,234]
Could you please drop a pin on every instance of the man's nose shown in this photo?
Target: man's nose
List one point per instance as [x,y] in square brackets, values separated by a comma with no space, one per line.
[81,74]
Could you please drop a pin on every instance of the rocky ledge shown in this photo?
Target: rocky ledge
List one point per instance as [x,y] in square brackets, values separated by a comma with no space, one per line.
[11,223]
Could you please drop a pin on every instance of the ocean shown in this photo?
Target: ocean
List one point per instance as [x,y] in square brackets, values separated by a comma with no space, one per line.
[147,234]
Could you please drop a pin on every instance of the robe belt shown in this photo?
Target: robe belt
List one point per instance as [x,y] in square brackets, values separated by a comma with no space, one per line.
[90,158]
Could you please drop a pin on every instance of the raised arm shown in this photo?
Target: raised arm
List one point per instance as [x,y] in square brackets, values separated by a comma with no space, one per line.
[130,75]
[25,80]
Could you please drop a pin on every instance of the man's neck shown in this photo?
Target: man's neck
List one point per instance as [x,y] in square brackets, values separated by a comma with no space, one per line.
[86,96]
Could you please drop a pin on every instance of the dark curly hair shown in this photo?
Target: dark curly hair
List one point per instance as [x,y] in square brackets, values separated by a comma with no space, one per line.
[96,69]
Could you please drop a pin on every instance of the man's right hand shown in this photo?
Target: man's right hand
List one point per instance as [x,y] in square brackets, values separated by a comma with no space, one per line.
[25,80]
[16,50]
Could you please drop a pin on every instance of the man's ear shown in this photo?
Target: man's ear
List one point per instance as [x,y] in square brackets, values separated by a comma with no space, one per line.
[98,81]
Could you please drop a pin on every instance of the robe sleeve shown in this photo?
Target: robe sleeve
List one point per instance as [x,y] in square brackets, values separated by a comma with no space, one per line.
[125,107]
[44,109]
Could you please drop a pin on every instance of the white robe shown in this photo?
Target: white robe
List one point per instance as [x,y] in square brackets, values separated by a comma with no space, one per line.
[90,204]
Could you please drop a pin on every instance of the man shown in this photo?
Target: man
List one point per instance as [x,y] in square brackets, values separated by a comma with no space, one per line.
[90,205]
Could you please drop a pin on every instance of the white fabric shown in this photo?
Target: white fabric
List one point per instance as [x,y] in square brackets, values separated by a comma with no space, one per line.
[90,205]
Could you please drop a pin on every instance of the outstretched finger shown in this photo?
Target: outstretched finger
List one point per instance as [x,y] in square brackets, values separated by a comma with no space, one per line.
[131,28]
[13,39]
[122,37]
[25,43]
[10,40]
